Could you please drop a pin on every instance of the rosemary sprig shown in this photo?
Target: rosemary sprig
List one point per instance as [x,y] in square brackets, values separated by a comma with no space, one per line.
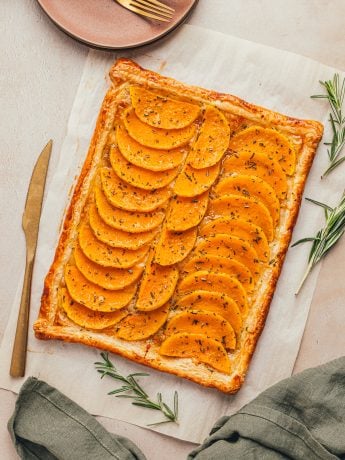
[335,94]
[135,391]
[326,237]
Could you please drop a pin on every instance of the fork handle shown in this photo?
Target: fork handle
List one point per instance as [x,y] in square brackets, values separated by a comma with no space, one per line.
[18,361]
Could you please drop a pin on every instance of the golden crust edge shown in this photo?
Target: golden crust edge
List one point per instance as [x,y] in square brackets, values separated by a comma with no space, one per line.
[67,334]
[125,71]
[251,342]
[65,234]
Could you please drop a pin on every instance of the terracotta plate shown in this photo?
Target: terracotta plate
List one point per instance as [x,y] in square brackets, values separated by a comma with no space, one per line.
[106,24]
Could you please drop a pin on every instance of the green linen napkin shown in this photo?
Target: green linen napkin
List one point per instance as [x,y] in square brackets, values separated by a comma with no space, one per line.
[301,418]
[46,425]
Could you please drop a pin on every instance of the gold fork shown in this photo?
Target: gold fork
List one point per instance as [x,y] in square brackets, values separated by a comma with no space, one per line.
[152,9]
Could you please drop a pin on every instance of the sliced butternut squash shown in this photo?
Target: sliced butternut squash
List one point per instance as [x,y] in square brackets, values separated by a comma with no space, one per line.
[106,277]
[212,141]
[215,302]
[231,247]
[258,164]
[143,324]
[114,237]
[128,221]
[216,282]
[94,297]
[267,141]
[90,319]
[245,208]
[247,231]
[106,255]
[173,247]
[251,186]
[140,177]
[211,324]
[160,111]
[199,347]
[191,182]
[147,157]
[185,213]
[130,198]
[157,138]
[157,286]
[221,265]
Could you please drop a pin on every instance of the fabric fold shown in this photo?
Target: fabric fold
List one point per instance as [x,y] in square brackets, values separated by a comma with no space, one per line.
[47,425]
[302,417]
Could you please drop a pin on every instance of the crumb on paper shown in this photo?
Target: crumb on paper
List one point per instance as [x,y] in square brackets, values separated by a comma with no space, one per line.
[48,352]
[162,66]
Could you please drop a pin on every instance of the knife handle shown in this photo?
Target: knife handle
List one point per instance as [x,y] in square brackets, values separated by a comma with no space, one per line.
[18,361]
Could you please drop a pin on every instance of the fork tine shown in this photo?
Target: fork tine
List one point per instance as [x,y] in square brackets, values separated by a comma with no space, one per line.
[142,4]
[144,13]
[162,8]
[156,2]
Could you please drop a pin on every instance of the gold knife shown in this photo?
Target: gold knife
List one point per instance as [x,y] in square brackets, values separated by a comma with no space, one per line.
[30,223]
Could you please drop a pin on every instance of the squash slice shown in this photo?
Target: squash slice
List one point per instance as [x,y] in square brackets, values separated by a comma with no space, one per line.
[161,111]
[191,182]
[143,324]
[106,255]
[147,157]
[157,286]
[214,302]
[106,277]
[173,247]
[199,347]
[247,231]
[267,141]
[90,319]
[230,247]
[140,177]
[185,213]
[212,141]
[130,198]
[202,322]
[157,138]
[251,186]
[94,297]
[216,264]
[114,237]
[261,165]
[128,221]
[245,208]
[216,282]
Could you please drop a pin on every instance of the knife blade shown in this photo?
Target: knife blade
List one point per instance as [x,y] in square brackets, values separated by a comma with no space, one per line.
[30,224]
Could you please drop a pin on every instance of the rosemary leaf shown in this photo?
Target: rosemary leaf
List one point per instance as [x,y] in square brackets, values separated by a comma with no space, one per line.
[135,391]
[176,404]
[303,240]
[335,94]
[326,237]
[144,404]
[318,203]
[158,423]
[119,390]
[140,374]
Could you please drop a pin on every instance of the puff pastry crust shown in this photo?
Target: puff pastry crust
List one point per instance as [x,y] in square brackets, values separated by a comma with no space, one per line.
[194,112]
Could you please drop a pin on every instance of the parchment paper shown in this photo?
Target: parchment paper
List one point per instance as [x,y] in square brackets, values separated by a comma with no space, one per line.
[275,79]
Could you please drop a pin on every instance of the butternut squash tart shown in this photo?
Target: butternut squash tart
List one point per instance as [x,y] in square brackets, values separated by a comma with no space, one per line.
[178,227]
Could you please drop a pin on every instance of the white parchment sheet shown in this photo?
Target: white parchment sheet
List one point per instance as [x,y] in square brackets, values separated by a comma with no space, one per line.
[275,79]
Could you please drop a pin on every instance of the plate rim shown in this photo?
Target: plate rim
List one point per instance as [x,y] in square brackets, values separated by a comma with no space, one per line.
[107,47]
